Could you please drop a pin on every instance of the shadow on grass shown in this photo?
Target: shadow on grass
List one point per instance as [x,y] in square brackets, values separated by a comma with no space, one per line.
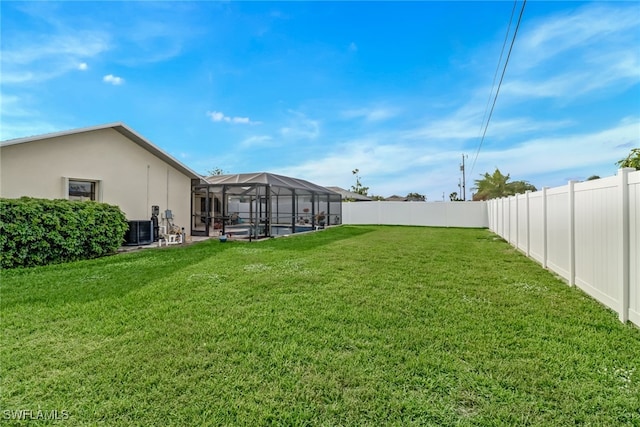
[107,277]
[115,276]
[313,240]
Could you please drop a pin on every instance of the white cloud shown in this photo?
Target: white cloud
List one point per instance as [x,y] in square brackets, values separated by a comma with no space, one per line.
[376,157]
[394,163]
[43,58]
[217,116]
[13,106]
[64,46]
[588,26]
[83,66]
[578,150]
[370,114]
[19,119]
[114,80]
[570,55]
[300,127]
[467,124]
[614,72]
[257,141]
[12,129]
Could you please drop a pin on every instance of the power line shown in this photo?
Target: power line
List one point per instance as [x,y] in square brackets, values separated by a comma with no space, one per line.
[504,69]
[495,74]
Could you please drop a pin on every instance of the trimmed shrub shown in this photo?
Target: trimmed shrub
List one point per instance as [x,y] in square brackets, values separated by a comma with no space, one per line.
[41,231]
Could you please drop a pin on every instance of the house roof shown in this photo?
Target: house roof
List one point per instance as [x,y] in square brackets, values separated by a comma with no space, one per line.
[271,179]
[396,198]
[346,194]
[123,130]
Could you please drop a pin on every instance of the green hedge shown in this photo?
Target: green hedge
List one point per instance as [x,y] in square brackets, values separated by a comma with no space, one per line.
[40,231]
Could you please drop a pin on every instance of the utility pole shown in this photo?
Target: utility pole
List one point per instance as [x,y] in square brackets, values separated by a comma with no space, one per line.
[464,191]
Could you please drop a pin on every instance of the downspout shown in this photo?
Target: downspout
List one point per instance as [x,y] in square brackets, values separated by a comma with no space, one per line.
[148,184]
[267,213]
[224,209]
[167,188]
[294,210]
[313,211]
[251,210]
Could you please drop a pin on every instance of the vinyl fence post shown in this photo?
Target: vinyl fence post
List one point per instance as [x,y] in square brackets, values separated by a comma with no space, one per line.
[508,223]
[494,204]
[528,213]
[517,222]
[572,233]
[502,232]
[497,206]
[625,250]
[492,218]
[544,227]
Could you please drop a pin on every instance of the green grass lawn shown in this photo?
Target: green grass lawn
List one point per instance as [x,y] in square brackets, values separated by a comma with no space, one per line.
[350,326]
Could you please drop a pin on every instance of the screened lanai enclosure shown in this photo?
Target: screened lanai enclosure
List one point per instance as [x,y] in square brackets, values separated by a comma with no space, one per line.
[260,205]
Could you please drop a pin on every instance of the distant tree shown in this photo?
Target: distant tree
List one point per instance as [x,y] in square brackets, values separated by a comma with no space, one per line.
[491,186]
[376,197]
[592,177]
[358,187]
[454,197]
[497,185]
[416,197]
[519,187]
[216,171]
[631,161]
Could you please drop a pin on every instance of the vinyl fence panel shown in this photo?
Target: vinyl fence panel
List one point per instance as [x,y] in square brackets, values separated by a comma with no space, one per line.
[537,227]
[586,232]
[522,231]
[558,231]
[434,214]
[597,239]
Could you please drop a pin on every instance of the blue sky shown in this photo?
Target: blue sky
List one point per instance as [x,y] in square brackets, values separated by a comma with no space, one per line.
[314,90]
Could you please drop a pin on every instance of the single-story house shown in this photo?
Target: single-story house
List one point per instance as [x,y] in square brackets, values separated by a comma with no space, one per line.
[109,163]
[113,164]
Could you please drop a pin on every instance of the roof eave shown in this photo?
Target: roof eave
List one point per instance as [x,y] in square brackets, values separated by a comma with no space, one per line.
[124,130]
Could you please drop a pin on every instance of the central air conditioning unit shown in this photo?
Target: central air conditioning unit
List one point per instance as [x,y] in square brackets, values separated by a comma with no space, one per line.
[139,233]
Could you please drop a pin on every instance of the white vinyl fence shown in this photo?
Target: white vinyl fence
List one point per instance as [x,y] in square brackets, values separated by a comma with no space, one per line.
[434,214]
[586,232]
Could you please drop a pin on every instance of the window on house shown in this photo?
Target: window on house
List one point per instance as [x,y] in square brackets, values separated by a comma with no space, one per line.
[82,190]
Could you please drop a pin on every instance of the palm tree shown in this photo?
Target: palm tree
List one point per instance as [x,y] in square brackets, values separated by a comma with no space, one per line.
[359,188]
[519,187]
[491,186]
[631,161]
[496,185]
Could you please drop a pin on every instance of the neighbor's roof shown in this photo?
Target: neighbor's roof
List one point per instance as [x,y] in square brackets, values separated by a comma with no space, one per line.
[396,198]
[271,179]
[346,194]
[120,128]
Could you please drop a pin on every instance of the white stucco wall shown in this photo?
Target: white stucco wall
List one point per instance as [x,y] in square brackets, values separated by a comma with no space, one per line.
[127,174]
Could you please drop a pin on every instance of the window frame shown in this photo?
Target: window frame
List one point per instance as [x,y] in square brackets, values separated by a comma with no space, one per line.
[94,193]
